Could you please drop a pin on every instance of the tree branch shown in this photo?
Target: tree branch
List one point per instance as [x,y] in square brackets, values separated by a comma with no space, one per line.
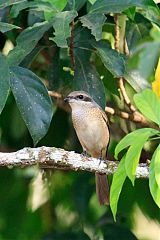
[134,117]
[120,37]
[56,158]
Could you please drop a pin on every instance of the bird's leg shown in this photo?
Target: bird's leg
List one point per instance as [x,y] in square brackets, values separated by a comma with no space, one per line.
[100,158]
[84,153]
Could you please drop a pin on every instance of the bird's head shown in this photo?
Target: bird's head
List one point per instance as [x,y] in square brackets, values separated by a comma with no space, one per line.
[79,98]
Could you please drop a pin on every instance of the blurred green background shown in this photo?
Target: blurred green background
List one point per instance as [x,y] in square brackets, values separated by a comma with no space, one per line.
[42,204]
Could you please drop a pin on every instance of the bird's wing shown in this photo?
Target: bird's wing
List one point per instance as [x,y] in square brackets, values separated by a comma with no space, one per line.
[104,116]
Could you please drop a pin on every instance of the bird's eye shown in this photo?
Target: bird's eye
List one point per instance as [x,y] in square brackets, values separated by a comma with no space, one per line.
[80,96]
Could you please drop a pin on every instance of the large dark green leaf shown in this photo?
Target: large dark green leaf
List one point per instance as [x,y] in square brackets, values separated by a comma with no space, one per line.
[5,27]
[95,23]
[149,104]
[107,6]
[80,36]
[116,187]
[144,59]
[31,56]
[4,81]
[75,5]
[60,79]
[153,183]
[114,6]
[112,60]
[26,42]
[61,26]
[6,3]
[137,82]
[39,5]
[32,100]
[87,78]
[136,30]
[109,81]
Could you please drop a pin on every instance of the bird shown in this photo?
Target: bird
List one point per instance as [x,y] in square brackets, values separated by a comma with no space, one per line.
[91,125]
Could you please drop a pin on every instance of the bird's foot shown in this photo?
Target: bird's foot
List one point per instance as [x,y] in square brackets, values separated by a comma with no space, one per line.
[85,154]
[100,160]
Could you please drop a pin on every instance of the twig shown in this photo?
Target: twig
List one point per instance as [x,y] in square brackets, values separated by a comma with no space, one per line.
[135,117]
[56,158]
[121,79]
[71,50]
[124,94]
[55,94]
[117,32]
[59,100]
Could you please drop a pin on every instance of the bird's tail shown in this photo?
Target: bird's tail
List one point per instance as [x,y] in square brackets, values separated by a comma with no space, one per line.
[102,188]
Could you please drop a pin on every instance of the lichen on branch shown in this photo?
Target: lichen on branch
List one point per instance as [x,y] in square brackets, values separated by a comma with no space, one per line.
[56,158]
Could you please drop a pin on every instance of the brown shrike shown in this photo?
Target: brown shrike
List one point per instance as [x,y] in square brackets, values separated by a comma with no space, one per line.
[90,123]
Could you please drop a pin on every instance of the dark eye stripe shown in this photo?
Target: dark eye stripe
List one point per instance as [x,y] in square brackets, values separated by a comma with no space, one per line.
[87,99]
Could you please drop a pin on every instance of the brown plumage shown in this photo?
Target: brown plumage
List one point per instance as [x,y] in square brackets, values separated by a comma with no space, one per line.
[90,123]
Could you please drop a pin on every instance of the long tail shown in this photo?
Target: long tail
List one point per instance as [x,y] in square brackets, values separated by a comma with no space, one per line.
[102,188]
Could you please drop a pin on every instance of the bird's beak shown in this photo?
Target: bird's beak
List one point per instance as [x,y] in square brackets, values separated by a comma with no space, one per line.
[66,100]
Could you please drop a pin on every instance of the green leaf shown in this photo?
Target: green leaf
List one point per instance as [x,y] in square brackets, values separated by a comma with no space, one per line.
[144,60]
[61,26]
[92,1]
[137,30]
[147,7]
[129,139]
[112,60]
[75,5]
[95,23]
[87,78]
[148,59]
[133,155]
[153,185]
[58,5]
[59,79]
[80,36]
[107,6]
[31,56]
[26,42]
[157,165]
[116,187]
[109,81]
[136,141]
[37,6]
[5,27]
[155,33]
[32,100]
[6,3]
[130,12]
[137,82]
[149,104]
[4,81]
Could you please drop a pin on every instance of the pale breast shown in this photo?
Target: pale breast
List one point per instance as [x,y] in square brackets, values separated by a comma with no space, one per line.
[91,128]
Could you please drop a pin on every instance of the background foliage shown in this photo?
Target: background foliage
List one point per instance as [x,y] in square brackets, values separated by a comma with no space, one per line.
[62,46]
